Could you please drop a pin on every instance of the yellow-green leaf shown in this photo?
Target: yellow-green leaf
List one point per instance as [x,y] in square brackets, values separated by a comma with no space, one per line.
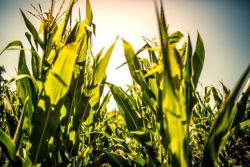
[59,78]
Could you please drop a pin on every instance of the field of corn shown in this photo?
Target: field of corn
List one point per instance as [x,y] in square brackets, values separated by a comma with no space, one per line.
[57,115]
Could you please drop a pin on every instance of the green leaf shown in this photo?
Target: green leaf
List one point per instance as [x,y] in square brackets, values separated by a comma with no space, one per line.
[20,122]
[45,122]
[116,159]
[100,70]
[8,145]
[61,29]
[25,87]
[27,162]
[137,159]
[245,123]
[79,33]
[81,115]
[132,61]
[136,72]
[13,43]
[241,104]
[198,60]
[32,30]
[35,59]
[89,14]
[59,78]
[59,34]
[56,87]
[188,86]
[128,108]
[222,126]
[35,63]
[175,37]
[173,104]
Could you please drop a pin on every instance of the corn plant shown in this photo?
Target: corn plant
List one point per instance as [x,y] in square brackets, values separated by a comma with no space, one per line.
[237,145]
[57,114]
[2,121]
[203,118]
[167,84]
[65,85]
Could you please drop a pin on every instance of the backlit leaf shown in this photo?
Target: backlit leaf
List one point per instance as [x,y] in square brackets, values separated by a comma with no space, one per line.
[198,60]
[128,109]
[59,78]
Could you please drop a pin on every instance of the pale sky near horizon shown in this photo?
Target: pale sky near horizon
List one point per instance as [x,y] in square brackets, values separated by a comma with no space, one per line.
[223,24]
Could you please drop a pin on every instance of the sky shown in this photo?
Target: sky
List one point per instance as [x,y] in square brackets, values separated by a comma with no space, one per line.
[223,24]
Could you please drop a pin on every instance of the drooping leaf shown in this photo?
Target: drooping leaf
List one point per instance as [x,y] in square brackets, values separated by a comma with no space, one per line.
[11,44]
[175,37]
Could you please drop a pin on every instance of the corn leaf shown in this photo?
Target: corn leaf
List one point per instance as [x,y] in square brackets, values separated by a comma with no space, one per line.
[59,34]
[173,101]
[128,108]
[175,37]
[87,99]
[188,81]
[8,145]
[116,159]
[137,159]
[25,87]
[89,14]
[59,79]
[32,30]
[56,86]
[61,29]
[35,59]
[45,122]
[35,63]
[132,61]
[241,104]
[78,118]
[100,70]
[222,125]
[20,122]
[133,64]
[136,73]
[198,60]
[79,107]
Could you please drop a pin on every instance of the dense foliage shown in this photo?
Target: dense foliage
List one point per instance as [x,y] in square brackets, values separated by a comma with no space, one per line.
[56,115]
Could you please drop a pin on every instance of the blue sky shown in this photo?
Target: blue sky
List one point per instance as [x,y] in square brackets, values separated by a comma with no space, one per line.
[223,24]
